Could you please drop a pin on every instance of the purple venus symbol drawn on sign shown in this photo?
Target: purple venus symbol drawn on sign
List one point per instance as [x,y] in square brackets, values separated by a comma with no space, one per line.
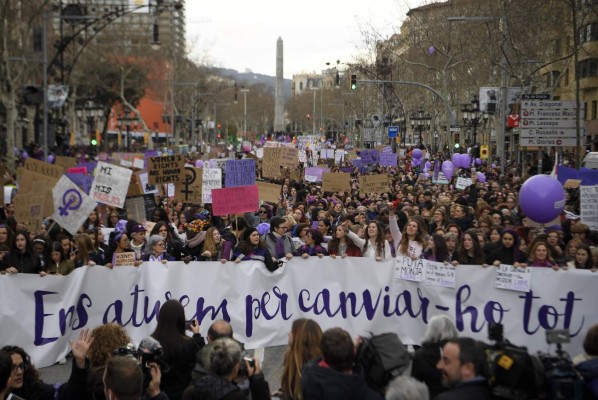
[71,200]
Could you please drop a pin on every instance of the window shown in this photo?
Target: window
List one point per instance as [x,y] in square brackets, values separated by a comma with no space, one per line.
[594,109]
[587,68]
[588,33]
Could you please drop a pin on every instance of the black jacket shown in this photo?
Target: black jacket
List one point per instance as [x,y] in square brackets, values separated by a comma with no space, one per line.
[211,387]
[26,263]
[178,377]
[424,367]
[476,389]
[323,383]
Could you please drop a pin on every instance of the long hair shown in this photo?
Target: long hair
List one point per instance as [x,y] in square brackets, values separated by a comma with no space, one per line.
[379,239]
[31,374]
[170,331]
[590,262]
[440,251]
[478,252]
[209,244]
[305,347]
[335,242]
[156,231]
[84,247]
[420,235]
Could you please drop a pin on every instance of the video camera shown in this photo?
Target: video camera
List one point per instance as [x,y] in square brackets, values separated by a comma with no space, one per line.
[512,372]
[563,381]
[148,351]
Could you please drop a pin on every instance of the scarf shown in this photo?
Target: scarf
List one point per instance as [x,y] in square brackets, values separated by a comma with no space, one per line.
[280,253]
[197,240]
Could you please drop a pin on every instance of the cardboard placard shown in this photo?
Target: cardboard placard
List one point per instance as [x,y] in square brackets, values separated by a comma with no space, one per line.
[28,210]
[336,182]
[124,259]
[240,173]
[374,183]
[463,183]
[168,169]
[65,162]
[190,190]
[271,163]
[143,179]
[289,157]
[268,192]
[135,207]
[572,183]
[51,171]
[32,184]
[235,200]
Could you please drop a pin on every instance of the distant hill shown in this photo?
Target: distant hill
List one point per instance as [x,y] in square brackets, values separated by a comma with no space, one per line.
[249,78]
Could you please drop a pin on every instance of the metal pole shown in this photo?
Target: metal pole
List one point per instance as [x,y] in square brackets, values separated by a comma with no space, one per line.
[244,113]
[45,82]
[313,115]
[193,116]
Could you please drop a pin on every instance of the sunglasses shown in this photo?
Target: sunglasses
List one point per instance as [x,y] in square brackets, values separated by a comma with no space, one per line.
[263,212]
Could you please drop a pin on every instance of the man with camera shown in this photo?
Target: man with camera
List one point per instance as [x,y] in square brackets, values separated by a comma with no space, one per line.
[462,362]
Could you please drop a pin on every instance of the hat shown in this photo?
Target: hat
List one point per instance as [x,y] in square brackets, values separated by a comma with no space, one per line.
[138,228]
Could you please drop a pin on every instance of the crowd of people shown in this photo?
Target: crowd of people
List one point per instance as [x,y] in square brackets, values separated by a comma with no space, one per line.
[480,225]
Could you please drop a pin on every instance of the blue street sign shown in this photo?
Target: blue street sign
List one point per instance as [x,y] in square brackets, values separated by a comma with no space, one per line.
[393,131]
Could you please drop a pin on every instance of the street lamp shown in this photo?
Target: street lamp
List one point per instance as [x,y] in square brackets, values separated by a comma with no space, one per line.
[129,120]
[244,91]
[435,141]
[420,120]
[472,115]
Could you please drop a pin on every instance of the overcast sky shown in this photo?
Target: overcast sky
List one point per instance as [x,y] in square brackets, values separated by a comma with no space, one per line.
[242,34]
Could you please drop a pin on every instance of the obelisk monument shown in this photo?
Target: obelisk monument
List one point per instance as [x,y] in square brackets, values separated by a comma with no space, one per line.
[278,100]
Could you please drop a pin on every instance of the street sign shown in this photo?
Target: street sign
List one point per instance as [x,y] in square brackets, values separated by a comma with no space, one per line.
[567,132]
[548,142]
[535,96]
[543,104]
[551,113]
[393,131]
[548,123]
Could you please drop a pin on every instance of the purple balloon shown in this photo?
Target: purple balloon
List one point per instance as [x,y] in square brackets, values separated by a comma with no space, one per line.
[431,50]
[212,163]
[24,155]
[417,154]
[198,164]
[542,198]
[481,177]
[465,160]
[415,162]
[428,165]
[426,175]
[493,166]
[448,169]
[478,161]
[456,160]
[51,158]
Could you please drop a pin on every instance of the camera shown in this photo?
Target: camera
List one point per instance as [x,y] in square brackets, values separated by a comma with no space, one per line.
[189,324]
[148,351]
[250,361]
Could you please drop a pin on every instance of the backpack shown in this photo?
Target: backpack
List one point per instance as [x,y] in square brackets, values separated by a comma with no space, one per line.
[382,357]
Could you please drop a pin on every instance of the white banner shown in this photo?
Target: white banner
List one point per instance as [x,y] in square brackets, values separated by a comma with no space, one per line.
[41,314]
[211,179]
[72,205]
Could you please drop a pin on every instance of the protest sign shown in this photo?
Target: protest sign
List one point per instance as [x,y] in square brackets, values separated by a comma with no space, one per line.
[135,188]
[463,183]
[513,278]
[29,209]
[259,153]
[190,190]
[77,170]
[268,192]
[150,206]
[369,157]
[65,162]
[314,174]
[220,163]
[302,156]
[110,184]
[167,169]
[388,159]
[409,269]
[35,185]
[439,274]
[588,206]
[289,157]
[135,207]
[336,182]
[51,171]
[326,154]
[235,200]
[147,187]
[271,163]
[123,259]
[240,173]
[440,178]
[211,179]
[139,163]
[374,183]
[339,156]
[72,205]
[572,183]
[126,163]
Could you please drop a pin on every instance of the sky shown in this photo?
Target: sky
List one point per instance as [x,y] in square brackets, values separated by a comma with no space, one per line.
[242,35]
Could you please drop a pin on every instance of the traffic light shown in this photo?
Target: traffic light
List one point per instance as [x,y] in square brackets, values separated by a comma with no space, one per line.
[94,142]
[353,82]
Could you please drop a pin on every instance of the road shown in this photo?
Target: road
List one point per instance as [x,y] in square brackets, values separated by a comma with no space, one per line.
[272,367]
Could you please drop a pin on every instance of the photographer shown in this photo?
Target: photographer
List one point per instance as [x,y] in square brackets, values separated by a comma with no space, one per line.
[225,363]
[124,380]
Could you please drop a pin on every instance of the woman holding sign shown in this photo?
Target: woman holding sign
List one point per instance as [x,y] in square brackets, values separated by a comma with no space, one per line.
[119,243]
